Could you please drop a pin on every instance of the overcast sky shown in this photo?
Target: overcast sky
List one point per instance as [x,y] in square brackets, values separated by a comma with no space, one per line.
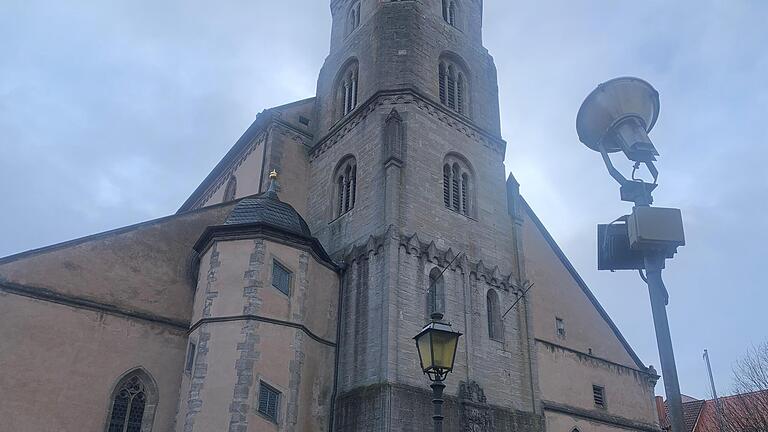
[111,113]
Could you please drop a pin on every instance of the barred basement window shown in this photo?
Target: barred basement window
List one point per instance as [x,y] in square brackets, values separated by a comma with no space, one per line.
[598,393]
[281,278]
[269,401]
[190,364]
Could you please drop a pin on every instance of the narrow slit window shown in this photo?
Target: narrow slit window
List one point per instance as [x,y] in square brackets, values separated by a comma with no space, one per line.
[190,364]
[281,278]
[560,328]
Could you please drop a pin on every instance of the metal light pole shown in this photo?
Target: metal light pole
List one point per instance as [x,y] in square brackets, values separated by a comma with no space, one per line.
[616,117]
[437,344]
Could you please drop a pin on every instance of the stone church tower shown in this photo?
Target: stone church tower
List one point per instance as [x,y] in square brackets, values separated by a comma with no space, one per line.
[285,293]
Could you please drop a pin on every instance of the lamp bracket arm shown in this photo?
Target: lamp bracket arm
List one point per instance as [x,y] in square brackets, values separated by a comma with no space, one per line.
[612,169]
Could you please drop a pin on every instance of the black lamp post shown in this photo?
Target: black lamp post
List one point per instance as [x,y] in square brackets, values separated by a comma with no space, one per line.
[437,344]
[617,117]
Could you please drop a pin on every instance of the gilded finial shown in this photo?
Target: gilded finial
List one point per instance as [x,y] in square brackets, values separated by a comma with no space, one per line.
[273,174]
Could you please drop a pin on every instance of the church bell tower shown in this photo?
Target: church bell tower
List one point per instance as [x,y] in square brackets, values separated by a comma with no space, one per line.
[407,191]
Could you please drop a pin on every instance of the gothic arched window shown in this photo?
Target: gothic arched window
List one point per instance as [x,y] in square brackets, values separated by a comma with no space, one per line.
[347,89]
[449,12]
[353,18]
[345,181]
[133,403]
[452,86]
[457,186]
[435,292]
[495,325]
[231,190]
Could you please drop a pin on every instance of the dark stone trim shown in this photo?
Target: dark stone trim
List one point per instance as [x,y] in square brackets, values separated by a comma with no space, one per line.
[264,230]
[599,417]
[47,295]
[258,125]
[572,270]
[263,319]
[593,357]
[363,108]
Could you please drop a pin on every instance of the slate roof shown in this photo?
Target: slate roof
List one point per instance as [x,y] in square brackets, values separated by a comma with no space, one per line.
[267,209]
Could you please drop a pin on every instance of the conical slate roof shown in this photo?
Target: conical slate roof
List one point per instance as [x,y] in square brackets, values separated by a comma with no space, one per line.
[267,209]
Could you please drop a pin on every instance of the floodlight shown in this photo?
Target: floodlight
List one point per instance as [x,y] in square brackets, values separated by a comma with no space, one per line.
[617,116]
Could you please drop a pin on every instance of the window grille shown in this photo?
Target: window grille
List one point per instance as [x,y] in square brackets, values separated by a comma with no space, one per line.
[190,364]
[281,278]
[128,407]
[269,400]
[598,393]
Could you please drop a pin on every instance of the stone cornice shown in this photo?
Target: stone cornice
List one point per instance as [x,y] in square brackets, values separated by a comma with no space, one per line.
[78,302]
[440,257]
[408,96]
[600,417]
[263,230]
[652,377]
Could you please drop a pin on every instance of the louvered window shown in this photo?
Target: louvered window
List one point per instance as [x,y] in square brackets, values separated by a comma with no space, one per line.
[281,278]
[443,78]
[269,401]
[456,189]
[452,86]
[447,185]
[598,393]
[346,186]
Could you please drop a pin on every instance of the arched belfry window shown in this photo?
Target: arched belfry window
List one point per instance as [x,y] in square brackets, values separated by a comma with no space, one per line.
[353,18]
[435,292]
[449,12]
[495,324]
[458,186]
[452,86]
[347,89]
[133,403]
[345,181]
[231,190]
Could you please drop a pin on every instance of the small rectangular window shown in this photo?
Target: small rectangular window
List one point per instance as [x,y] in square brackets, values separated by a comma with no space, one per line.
[560,326]
[303,120]
[281,278]
[190,364]
[269,401]
[598,393]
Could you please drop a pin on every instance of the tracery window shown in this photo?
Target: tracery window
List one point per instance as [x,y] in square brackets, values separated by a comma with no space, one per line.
[457,186]
[495,324]
[435,292]
[449,12]
[346,186]
[452,86]
[133,403]
[231,190]
[353,18]
[348,88]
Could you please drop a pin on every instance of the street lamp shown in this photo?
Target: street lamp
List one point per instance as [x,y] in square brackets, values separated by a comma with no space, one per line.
[437,344]
[617,117]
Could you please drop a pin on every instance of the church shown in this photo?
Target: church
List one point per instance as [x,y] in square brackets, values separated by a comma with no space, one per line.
[285,293]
